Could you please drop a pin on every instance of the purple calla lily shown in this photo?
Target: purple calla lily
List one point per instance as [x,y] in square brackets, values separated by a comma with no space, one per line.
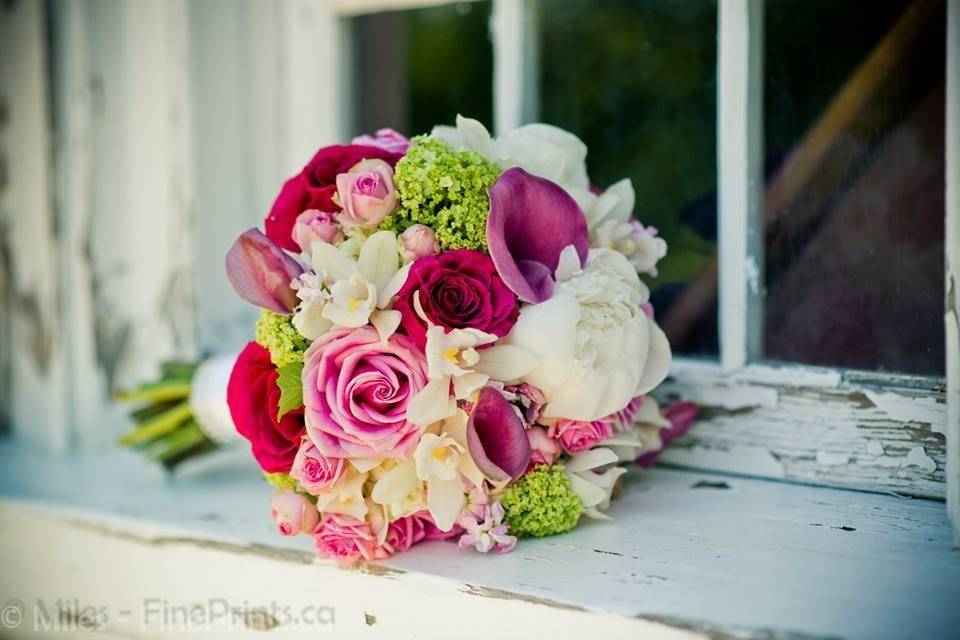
[531,221]
[496,437]
[261,272]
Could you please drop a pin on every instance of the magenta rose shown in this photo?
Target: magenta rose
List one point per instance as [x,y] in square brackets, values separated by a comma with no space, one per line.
[403,533]
[459,289]
[346,540]
[314,188]
[356,389]
[314,471]
[254,400]
[577,435]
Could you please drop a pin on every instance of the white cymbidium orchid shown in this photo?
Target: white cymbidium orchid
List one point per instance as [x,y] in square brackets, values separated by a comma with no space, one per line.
[397,489]
[359,290]
[594,487]
[442,461]
[345,496]
[431,479]
[453,360]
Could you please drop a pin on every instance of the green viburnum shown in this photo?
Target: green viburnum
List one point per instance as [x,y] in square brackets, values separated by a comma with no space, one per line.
[445,190]
[277,333]
[541,503]
[280,481]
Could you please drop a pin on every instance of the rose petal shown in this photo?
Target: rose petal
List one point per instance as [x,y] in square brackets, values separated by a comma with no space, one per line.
[496,437]
[531,220]
[261,272]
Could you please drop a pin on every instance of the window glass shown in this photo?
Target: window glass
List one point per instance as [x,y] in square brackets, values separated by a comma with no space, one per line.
[636,80]
[854,198]
[417,68]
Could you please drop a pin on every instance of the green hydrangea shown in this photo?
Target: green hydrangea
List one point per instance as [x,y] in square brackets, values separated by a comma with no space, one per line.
[445,190]
[541,503]
[277,333]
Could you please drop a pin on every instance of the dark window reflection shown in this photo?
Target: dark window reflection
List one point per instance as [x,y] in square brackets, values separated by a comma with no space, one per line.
[854,201]
[637,82]
[418,68]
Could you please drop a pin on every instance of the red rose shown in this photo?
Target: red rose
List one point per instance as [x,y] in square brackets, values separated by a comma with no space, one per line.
[314,188]
[458,290]
[254,400]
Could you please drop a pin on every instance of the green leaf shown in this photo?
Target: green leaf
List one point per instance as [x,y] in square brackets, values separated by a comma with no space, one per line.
[291,388]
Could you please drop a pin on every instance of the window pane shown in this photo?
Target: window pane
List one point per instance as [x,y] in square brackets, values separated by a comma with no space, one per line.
[418,68]
[854,199]
[637,82]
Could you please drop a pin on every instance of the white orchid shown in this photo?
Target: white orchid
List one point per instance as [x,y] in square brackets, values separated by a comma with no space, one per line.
[346,495]
[398,489]
[593,485]
[453,360]
[357,291]
[442,461]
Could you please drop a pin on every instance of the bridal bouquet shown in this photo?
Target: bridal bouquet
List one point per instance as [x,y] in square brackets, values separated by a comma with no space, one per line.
[454,342]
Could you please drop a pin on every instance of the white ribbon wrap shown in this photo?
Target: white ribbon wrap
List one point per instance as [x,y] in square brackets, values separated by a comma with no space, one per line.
[208,399]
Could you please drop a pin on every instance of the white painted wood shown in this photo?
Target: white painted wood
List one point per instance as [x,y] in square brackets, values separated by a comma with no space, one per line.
[740,179]
[718,557]
[124,198]
[952,304]
[813,425]
[514,33]
[34,370]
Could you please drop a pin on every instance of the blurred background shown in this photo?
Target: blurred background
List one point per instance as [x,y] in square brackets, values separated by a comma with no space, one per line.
[137,139]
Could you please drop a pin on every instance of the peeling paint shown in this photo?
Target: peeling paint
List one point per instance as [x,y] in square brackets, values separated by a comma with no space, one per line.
[911,408]
[831,458]
[501,594]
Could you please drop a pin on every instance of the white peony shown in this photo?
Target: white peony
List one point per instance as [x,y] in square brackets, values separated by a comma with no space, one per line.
[541,149]
[591,346]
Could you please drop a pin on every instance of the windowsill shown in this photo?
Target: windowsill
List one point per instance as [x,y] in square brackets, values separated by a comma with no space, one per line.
[732,556]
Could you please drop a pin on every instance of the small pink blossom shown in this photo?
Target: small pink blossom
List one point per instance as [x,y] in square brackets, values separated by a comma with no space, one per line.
[487,531]
[293,512]
[315,226]
[314,471]
[545,449]
[418,241]
[577,435]
[386,139]
[366,193]
[346,540]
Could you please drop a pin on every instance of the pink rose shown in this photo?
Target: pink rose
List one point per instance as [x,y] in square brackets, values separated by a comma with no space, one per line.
[315,188]
[346,540]
[386,139]
[356,389]
[458,289]
[366,193]
[293,513]
[418,241]
[544,449]
[403,533]
[314,225]
[314,471]
[577,435]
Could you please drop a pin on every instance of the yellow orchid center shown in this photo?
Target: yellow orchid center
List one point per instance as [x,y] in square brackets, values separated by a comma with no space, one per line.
[451,354]
[353,304]
[440,454]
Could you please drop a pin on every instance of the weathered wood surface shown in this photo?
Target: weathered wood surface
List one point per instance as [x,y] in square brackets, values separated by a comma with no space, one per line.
[33,366]
[814,427]
[714,557]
